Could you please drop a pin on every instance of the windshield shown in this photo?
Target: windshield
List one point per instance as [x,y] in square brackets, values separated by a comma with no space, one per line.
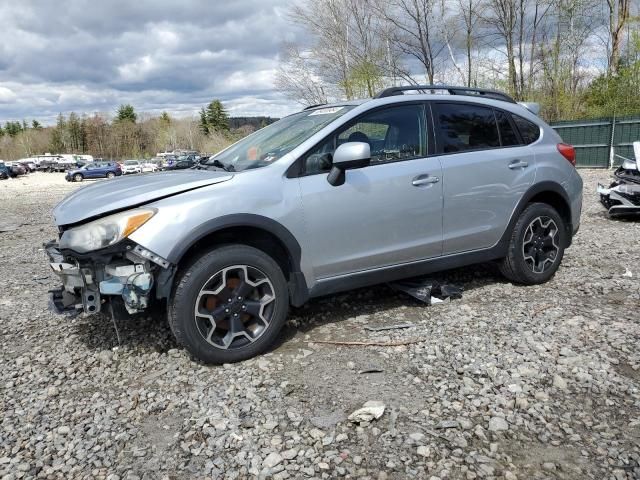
[131,162]
[271,143]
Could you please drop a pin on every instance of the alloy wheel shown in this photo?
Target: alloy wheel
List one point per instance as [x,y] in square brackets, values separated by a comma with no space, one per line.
[235,307]
[540,246]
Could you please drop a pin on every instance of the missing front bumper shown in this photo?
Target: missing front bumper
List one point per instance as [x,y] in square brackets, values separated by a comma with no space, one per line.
[88,283]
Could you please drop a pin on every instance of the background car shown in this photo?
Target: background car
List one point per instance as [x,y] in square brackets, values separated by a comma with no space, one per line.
[183,162]
[4,171]
[29,165]
[149,167]
[15,169]
[94,170]
[131,166]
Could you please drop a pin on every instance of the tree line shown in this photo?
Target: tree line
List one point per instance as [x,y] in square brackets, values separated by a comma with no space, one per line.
[578,58]
[126,134]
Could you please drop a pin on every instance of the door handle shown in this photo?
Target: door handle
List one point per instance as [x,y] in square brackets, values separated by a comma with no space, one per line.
[518,164]
[424,180]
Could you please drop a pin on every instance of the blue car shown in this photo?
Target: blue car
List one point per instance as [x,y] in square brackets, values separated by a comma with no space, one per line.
[94,170]
[4,171]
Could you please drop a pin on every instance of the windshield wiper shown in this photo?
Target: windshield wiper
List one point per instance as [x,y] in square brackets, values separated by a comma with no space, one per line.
[224,166]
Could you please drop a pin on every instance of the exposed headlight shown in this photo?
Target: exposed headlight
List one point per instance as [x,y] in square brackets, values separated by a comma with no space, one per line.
[105,231]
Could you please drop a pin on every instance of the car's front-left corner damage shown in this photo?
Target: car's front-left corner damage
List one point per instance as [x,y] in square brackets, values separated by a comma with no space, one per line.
[99,265]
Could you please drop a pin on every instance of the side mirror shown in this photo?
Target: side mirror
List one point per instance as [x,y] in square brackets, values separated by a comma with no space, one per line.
[348,156]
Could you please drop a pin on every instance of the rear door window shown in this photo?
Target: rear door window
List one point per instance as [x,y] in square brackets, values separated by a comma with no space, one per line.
[463,127]
[529,131]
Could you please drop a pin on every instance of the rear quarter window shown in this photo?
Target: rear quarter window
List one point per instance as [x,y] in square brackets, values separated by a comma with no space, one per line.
[529,131]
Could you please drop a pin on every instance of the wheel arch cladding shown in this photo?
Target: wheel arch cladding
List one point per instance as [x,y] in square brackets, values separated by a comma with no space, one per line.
[253,230]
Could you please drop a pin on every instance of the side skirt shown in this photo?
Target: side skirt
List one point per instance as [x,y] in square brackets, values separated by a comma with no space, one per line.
[406,270]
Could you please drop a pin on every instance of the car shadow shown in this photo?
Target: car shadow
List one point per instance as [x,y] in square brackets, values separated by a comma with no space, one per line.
[378,299]
[150,332]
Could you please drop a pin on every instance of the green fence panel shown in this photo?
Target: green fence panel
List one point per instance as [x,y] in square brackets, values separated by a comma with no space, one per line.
[594,139]
[627,130]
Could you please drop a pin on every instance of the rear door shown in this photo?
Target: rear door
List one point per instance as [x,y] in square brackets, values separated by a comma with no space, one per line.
[486,170]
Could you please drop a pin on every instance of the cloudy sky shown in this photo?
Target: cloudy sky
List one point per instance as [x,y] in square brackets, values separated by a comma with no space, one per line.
[174,55]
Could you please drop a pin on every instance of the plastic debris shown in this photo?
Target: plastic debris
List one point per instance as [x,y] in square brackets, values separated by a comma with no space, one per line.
[428,290]
[389,327]
[371,410]
[371,370]
[622,197]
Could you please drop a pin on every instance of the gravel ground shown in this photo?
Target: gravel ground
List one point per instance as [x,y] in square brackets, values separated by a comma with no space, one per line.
[508,382]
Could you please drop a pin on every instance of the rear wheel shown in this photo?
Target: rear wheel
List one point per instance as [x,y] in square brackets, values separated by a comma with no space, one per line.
[229,305]
[77,177]
[536,246]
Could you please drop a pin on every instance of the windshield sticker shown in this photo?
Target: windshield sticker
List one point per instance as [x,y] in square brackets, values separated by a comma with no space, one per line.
[326,111]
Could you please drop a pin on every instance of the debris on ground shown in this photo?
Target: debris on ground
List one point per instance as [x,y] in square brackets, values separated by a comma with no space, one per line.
[370,344]
[428,290]
[370,370]
[622,197]
[389,327]
[371,410]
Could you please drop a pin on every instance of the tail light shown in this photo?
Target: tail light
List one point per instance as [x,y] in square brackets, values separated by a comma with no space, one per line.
[568,152]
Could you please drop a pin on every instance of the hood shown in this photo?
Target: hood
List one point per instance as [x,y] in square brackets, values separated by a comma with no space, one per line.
[128,192]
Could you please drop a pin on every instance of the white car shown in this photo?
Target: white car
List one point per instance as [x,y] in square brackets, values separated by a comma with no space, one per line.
[149,167]
[131,166]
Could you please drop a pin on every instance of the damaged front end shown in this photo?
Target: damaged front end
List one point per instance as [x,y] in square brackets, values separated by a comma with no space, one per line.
[622,197]
[117,271]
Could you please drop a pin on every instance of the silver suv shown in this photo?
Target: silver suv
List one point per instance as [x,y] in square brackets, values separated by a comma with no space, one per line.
[331,198]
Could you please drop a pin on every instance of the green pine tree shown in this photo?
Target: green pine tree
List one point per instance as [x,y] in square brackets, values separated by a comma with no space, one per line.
[126,113]
[204,122]
[217,117]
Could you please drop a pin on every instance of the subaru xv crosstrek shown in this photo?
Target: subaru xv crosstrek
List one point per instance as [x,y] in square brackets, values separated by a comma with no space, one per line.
[328,199]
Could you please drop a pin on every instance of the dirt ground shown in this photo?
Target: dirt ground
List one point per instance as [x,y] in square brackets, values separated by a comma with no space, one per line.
[507,382]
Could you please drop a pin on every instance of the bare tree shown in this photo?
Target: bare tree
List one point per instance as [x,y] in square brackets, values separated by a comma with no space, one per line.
[297,78]
[471,12]
[619,13]
[503,18]
[412,30]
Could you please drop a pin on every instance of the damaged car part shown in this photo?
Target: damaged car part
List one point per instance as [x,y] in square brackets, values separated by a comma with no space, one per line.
[622,196]
[426,289]
[118,271]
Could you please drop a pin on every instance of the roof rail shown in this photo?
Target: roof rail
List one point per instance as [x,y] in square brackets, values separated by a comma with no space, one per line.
[452,90]
[313,106]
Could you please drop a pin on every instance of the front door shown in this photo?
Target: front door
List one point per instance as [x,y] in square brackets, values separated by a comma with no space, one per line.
[486,171]
[385,214]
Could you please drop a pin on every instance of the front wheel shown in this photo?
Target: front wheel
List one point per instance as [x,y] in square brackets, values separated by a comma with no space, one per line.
[536,246]
[77,177]
[229,305]
[110,175]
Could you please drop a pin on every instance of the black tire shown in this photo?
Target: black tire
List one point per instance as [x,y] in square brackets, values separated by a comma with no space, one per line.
[78,177]
[514,266]
[110,175]
[196,275]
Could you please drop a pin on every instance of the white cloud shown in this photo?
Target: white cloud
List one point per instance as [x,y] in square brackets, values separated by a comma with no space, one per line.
[7,95]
